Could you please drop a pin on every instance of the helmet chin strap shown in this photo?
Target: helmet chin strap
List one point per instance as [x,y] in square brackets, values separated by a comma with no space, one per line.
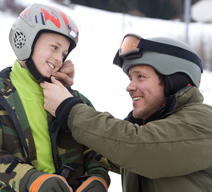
[175,82]
[35,73]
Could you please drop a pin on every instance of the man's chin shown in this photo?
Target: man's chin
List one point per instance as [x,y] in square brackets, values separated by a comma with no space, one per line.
[136,115]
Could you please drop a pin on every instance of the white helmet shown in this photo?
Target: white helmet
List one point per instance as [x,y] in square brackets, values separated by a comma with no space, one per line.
[35,19]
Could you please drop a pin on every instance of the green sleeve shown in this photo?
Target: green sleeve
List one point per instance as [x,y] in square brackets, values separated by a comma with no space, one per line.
[81,96]
[162,148]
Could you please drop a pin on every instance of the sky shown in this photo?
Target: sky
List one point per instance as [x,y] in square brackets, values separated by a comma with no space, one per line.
[100,34]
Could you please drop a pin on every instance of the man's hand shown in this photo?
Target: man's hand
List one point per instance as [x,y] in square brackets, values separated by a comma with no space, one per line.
[66,74]
[54,94]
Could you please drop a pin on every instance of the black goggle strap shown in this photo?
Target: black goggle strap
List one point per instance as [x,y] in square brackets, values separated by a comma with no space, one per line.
[118,59]
[170,50]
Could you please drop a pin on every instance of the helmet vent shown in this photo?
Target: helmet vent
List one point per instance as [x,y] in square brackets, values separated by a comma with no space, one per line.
[19,39]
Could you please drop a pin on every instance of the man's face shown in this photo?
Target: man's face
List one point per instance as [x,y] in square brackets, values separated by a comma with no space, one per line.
[49,52]
[146,91]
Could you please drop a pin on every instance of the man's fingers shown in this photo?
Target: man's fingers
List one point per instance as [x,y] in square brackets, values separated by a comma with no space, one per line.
[68,63]
[55,81]
[66,80]
[66,74]
[68,68]
[44,84]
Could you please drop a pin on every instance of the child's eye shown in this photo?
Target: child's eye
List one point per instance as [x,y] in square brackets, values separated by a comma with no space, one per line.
[63,55]
[54,47]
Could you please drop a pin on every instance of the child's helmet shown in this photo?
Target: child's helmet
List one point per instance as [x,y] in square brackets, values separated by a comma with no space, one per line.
[35,19]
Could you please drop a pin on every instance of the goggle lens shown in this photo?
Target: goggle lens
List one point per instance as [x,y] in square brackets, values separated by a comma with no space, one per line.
[132,47]
[129,43]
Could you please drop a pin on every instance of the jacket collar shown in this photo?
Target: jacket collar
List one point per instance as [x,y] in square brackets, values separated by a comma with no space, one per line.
[191,93]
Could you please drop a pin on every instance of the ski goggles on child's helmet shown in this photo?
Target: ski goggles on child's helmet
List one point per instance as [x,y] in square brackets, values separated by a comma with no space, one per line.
[133,45]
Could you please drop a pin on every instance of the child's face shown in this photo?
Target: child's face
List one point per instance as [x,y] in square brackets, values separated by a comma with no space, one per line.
[49,51]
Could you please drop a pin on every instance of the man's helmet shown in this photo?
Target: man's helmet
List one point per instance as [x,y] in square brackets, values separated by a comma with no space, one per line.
[169,57]
[35,19]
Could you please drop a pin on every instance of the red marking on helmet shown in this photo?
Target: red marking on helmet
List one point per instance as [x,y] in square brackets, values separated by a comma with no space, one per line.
[52,17]
[68,24]
[24,12]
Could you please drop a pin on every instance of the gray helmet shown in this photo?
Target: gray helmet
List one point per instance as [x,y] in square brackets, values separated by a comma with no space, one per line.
[35,19]
[167,64]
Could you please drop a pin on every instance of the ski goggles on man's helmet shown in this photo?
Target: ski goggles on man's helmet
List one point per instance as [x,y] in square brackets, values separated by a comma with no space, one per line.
[133,45]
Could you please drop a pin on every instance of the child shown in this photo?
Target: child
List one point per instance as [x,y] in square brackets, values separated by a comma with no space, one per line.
[36,155]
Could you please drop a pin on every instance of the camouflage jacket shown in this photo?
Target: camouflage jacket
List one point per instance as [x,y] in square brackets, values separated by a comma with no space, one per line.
[17,148]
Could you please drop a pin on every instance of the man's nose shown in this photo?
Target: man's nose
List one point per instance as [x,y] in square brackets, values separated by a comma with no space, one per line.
[131,87]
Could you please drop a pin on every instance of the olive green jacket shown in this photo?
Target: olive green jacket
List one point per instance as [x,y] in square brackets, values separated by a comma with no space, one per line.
[169,154]
[17,148]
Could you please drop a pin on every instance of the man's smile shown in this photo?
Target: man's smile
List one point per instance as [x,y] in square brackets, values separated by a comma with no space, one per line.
[137,98]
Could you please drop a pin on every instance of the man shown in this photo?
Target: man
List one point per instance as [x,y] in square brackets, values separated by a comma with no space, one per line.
[165,143]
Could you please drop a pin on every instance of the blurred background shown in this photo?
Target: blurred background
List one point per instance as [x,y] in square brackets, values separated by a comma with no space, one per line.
[102,25]
[187,11]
